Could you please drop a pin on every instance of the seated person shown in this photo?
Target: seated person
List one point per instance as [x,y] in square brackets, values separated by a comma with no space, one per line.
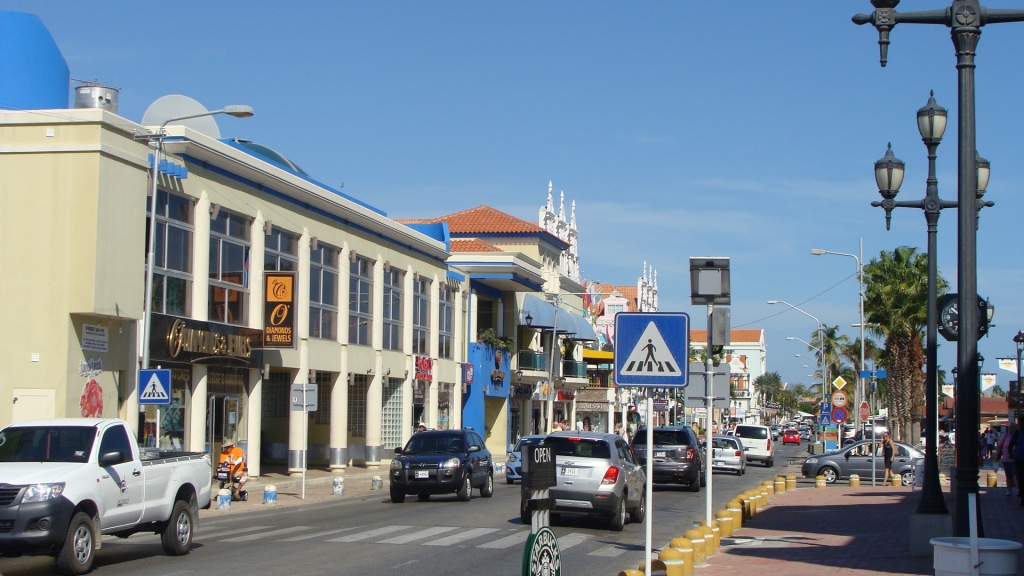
[235,459]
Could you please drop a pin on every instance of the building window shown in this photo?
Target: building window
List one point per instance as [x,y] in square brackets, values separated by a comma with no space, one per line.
[357,405]
[275,395]
[444,405]
[393,310]
[229,268]
[445,322]
[172,262]
[391,415]
[281,251]
[360,303]
[614,309]
[421,318]
[324,382]
[323,293]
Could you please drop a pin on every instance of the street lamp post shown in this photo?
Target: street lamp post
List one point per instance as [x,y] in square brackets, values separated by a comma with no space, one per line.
[965,18]
[157,138]
[1019,341]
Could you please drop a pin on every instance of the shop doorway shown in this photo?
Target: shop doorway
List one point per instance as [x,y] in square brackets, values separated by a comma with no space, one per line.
[222,417]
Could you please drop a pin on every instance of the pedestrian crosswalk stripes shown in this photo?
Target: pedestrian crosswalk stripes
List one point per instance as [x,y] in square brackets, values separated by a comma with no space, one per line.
[610,551]
[369,534]
[461,537]
[262,535]
[418,535]
[570,540]
[507,541]
[317,534]
[218,534]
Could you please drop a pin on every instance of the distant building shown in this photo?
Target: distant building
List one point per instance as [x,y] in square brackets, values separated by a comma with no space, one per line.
[747,357]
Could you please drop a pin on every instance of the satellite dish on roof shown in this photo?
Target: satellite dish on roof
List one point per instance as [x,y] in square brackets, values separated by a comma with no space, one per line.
[176,106]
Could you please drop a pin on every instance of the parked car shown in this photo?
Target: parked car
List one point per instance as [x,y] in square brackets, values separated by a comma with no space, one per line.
[776,432]
[757,443]
[69,481]
[514,468]
[678,457]
[791,436]
[442,462]
[597,475]
[728,455]
[858,458]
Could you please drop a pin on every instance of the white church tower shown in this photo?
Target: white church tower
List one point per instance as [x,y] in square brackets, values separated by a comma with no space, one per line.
[556,225]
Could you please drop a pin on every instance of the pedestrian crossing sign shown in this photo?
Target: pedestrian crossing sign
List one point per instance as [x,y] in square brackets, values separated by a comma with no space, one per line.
[652,349]
[154,387]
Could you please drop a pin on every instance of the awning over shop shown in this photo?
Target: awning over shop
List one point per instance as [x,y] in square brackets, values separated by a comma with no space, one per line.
[542,315]
[580,326]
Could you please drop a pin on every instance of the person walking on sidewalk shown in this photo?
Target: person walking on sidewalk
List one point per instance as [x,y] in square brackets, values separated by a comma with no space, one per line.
[888,449]
[1004,456]
[1016,447]
[990,444]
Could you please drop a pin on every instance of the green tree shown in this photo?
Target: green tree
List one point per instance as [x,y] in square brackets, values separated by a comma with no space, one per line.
[896,307]
[767,386]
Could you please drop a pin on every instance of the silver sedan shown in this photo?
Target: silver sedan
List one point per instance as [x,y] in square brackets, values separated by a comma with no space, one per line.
[728,455]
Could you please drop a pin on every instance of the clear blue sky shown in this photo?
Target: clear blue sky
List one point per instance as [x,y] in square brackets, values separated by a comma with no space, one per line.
[749,131]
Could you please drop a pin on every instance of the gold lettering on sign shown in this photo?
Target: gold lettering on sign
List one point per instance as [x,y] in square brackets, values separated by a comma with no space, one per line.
[193,340]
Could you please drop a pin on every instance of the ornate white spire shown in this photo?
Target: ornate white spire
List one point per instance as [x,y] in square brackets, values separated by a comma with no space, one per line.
[551,204]
[561,206]
[572,221]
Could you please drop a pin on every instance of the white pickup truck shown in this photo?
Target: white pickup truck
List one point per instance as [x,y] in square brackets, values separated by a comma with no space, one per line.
[66,482]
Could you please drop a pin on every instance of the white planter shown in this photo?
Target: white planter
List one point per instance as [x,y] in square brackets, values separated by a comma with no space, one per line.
[952,556]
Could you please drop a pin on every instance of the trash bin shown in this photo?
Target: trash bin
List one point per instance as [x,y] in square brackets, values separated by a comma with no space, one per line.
[918,472]
[952,556]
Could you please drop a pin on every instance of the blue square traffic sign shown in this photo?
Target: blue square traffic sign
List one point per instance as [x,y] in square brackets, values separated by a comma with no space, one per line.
[154,387]
[652,349]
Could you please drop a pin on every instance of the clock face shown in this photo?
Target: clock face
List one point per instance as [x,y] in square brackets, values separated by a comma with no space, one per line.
[950,317]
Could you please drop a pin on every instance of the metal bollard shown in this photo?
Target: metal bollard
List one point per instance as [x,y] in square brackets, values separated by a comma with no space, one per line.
[790,482]
[673,561]
[854,480]
[224,499]
[991,479]
[696,538]
[376,483]
[270,494]
[725,524]
[339,486]
[819,482]
[685,547]
[716,534]
[780,484]
[735,507]
[657,567]
[630,573]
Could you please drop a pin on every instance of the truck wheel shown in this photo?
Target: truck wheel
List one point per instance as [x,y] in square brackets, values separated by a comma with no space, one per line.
[177,535]
[76,554]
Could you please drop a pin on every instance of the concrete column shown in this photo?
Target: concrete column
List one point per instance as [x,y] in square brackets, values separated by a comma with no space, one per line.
[459,355]
[500,326]
[254,417]
[130,380]
[197,428]
[435,310]
[201,262]
[297,428]
[339,390]
[375,394]
[410,364]
[471,337]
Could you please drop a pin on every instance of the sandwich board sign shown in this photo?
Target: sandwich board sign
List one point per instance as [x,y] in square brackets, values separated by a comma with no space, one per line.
[154,387]
[652,349]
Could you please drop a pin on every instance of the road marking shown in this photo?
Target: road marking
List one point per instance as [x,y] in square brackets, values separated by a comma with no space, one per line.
[317,534]
[238,531]
[263,535]
[508,541]
[570,540]
[461,537]
[369,534]
[419,534]
[611,551]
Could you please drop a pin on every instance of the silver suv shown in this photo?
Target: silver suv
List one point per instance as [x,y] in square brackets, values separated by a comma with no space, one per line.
[597,474]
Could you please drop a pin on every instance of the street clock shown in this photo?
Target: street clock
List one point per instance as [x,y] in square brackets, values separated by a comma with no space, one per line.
[949,316]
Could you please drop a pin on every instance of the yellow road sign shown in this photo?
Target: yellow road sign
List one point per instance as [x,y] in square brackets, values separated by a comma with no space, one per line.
[839,382]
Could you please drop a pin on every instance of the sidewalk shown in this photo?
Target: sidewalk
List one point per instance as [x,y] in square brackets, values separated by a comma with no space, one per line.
[843,530]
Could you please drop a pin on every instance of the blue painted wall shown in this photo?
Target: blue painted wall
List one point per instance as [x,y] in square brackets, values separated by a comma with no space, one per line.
[33,73]
[481,357]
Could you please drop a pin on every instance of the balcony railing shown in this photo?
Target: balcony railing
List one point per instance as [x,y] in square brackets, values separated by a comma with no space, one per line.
[532,360]
[573,369]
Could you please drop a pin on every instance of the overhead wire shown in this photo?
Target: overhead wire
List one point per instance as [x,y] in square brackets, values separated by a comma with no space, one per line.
[758,321]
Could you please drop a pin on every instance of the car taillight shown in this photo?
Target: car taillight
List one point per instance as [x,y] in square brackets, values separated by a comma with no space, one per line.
[769,444]
[611,476]
[738,453]
[690,453]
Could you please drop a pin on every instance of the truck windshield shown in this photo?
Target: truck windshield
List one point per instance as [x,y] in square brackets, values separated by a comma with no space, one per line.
[46,443]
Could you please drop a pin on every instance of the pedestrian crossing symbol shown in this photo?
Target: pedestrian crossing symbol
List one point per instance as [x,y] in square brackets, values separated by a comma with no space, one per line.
[154,387]
[651,346]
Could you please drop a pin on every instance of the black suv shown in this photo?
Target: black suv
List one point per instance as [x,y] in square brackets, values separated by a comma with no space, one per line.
[678,457]
[442,462]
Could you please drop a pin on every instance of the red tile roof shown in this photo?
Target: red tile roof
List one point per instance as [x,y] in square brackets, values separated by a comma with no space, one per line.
[481,220]
[473,245]
[628,292]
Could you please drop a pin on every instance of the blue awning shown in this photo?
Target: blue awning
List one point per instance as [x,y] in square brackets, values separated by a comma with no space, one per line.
[542,314]
[581,328]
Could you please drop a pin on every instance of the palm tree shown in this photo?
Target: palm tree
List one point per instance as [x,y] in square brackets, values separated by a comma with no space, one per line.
[896,307]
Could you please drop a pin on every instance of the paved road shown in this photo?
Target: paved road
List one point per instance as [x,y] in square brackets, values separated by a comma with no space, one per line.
[370,535]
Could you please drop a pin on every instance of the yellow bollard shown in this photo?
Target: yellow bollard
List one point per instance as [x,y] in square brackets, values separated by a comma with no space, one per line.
[992,479]
[684,546]
[748,506]
[673,561]
[897,480]
[735,507]
[819,482]
[696,538]
[770,486]
[780,484]
[657,568]
[709,541]
[754,502]
[630,573]
[764,497]
[790,482]
[725,523]
[854,481]
[716,541]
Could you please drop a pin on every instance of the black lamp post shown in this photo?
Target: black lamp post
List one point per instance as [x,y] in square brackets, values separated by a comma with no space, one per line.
[1019,341]
[965,19]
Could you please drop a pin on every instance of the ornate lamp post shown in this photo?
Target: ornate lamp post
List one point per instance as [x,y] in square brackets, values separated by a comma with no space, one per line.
[965,19]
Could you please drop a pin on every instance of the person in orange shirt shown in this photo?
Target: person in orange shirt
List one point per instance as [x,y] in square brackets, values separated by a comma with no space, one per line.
[234,458]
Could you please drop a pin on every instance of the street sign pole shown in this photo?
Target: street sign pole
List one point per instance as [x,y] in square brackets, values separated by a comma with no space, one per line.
[649,488]
[708,402]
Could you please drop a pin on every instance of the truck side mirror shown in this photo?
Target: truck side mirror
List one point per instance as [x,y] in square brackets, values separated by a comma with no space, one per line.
[111,459]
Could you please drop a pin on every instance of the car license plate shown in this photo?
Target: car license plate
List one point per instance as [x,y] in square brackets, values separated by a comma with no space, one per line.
[659,454]
[719,463]
[570,471]
[422,474]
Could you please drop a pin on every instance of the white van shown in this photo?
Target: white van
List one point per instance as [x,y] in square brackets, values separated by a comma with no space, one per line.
[757,443]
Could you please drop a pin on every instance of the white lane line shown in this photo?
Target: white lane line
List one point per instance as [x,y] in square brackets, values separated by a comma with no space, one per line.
[507,541]
[262,535]
[369,534]
[570,540]
[216,534]
[419,534]
[608,551]
[461,537]
[317,534]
